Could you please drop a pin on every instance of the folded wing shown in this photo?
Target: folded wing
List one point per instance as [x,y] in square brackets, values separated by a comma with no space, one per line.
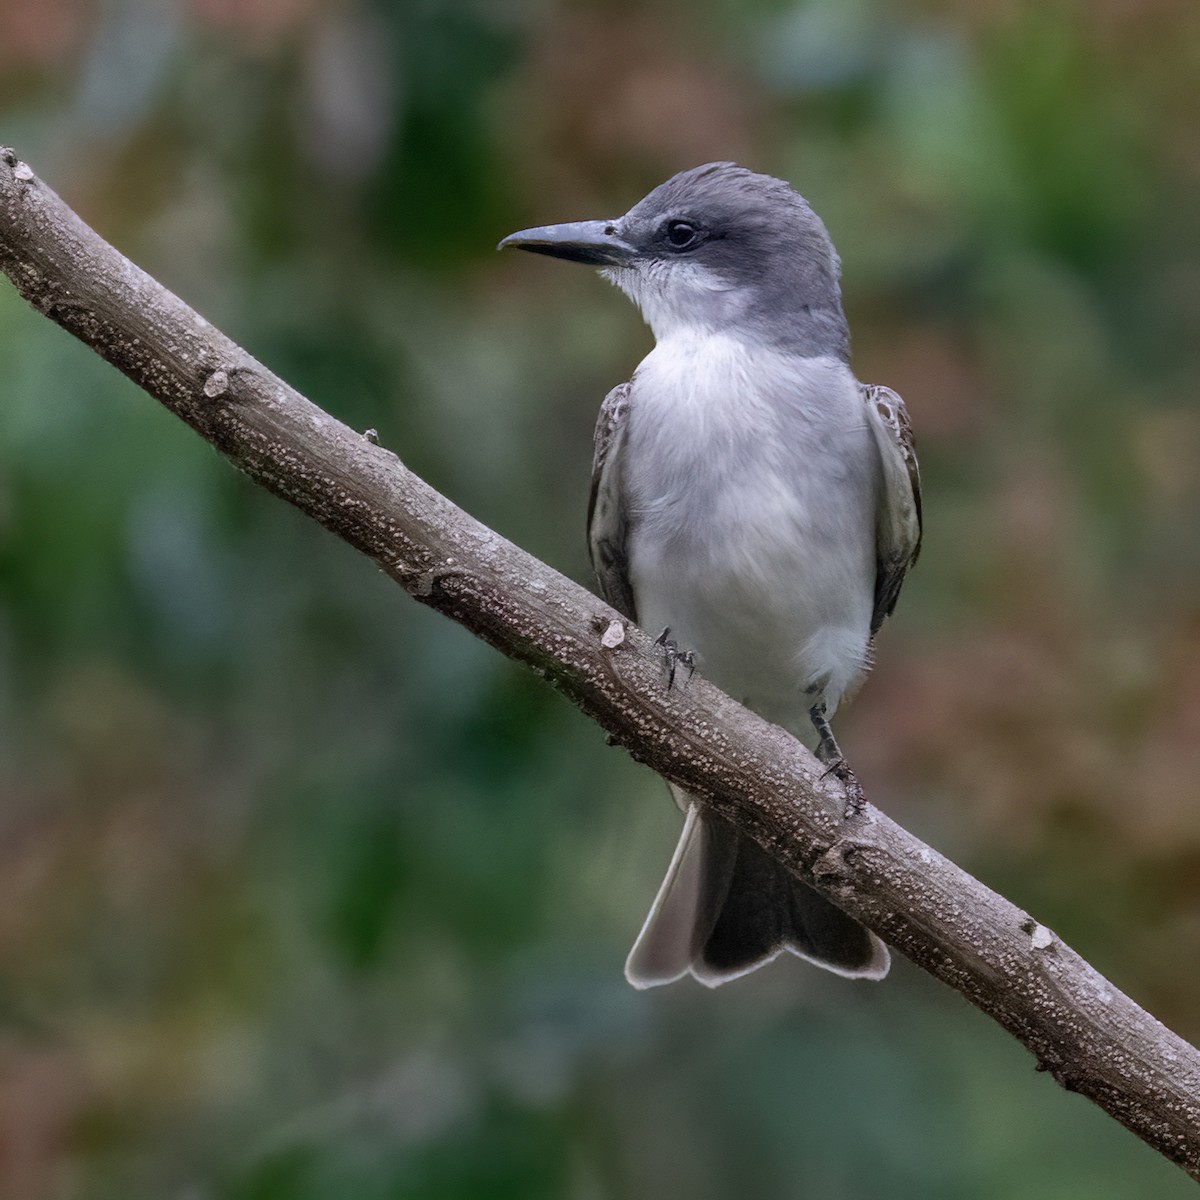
[898,515]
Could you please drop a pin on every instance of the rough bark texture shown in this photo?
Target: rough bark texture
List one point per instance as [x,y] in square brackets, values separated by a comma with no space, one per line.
[1080,1028]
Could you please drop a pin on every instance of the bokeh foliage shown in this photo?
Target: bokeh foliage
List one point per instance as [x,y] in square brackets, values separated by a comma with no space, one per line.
[306,894]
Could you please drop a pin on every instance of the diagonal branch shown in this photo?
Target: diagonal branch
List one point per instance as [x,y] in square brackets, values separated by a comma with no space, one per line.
[1087,1034]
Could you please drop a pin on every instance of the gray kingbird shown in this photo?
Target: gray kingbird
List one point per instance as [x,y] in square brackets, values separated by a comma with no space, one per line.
[749,494]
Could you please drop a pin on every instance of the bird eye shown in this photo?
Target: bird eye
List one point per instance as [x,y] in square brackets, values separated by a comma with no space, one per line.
[682,234]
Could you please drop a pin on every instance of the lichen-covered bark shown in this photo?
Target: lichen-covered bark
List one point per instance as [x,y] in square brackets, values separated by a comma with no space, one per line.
[1081,1029]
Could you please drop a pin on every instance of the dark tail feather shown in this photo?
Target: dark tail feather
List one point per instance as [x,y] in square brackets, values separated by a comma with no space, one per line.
[726,907]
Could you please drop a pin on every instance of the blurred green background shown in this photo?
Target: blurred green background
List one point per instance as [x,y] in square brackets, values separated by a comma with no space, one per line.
[305,893]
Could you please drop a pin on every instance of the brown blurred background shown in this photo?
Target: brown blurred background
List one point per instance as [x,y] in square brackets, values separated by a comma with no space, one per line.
[306,894]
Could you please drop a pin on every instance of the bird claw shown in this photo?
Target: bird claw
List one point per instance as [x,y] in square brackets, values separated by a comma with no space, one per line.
[856,798]
[673,657]
[828,752]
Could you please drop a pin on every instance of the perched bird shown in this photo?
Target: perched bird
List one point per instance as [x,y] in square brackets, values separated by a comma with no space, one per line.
[753,498]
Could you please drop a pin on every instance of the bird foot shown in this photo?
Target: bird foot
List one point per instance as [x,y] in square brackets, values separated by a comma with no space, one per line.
[856,798]
[828,752]
[673,657]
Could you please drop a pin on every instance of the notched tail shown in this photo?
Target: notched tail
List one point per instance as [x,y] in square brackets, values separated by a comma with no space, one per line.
[726,907]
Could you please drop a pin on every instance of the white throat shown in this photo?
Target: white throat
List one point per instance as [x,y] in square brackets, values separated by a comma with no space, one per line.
[681,299]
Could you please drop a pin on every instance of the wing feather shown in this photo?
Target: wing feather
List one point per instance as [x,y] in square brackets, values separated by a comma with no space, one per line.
[898,518]
[608,523]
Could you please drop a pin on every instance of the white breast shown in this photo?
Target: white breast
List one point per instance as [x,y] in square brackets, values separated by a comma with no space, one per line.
[751,478]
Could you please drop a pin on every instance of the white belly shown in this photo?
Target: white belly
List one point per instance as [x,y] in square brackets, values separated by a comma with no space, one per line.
[752,481]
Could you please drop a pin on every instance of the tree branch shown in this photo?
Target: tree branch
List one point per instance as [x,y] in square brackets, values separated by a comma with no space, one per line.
[1087,1034]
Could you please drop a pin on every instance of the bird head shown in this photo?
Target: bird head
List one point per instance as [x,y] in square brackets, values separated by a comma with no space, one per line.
[717,249]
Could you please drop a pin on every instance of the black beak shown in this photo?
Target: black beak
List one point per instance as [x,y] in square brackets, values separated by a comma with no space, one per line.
[594,242]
